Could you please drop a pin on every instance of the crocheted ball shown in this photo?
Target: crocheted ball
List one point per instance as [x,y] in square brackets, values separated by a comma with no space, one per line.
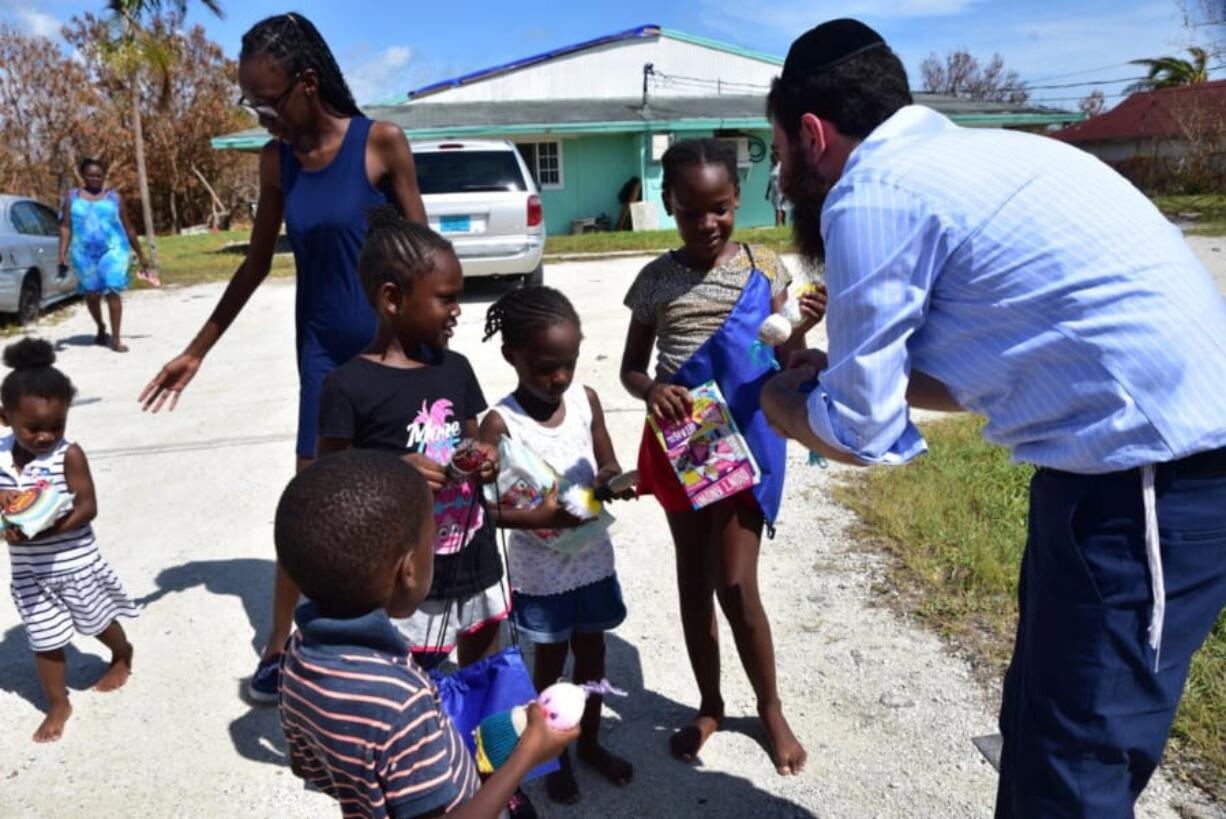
[563,705]
[581,502]
[774,330]
[496,737]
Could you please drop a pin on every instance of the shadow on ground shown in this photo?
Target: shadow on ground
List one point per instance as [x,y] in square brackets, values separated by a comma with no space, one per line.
[248,579]
[663,786]
[17,674]
[637,726]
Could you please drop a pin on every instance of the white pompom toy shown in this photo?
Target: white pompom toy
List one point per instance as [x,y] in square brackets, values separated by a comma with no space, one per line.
[562,704]
[775,330]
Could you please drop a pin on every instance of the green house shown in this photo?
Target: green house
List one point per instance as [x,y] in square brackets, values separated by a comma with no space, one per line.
[591,117]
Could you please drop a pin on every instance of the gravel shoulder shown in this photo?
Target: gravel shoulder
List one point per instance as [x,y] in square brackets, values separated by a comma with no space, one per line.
[186,503]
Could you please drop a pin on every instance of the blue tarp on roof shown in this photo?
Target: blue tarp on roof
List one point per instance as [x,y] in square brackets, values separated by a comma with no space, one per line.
[639,32]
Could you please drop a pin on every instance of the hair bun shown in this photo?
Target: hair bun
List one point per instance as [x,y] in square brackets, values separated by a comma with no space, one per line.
[29,354]
[383,216]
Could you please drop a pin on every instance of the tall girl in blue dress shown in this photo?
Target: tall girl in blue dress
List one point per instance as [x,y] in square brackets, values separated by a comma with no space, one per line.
[325,165]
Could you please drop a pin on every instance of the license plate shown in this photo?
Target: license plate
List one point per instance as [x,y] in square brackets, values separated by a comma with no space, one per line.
[455,224]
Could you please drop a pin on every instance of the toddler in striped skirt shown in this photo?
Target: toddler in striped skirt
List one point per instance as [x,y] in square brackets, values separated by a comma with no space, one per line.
[61,584]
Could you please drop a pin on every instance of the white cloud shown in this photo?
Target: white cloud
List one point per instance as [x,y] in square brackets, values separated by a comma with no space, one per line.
[33,21]
[381,76]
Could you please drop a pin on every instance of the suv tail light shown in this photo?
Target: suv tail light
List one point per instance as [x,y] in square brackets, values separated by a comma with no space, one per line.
[535,213]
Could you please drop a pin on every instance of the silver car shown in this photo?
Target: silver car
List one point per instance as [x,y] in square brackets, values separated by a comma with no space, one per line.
[29,258]
[480,195]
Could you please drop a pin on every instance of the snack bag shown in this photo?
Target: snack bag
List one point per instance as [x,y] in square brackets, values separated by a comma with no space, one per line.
[35,509]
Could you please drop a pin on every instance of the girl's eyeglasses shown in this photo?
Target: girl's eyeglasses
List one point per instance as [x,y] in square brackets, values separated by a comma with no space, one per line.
[269,110]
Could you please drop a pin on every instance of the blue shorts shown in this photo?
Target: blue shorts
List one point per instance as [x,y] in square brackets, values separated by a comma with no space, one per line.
[553,618]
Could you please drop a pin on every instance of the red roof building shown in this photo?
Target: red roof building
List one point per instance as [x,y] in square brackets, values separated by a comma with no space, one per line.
[1155,137]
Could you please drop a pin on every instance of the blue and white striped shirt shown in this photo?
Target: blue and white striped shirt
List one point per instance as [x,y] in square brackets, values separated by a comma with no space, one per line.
[1042,288]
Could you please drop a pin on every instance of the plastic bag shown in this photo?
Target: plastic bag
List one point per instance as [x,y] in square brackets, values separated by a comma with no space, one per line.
[523,481]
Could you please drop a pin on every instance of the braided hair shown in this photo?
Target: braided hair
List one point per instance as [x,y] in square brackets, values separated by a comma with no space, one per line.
[294,42]
[396,251]
[691,152]
[520,313]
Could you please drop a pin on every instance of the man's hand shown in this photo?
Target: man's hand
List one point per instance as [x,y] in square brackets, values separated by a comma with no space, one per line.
[785,403]
[816,359]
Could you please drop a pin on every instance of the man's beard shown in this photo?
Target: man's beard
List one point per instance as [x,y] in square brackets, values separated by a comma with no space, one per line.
[807,192]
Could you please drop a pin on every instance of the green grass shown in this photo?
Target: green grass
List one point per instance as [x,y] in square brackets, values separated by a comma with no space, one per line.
[779,239]
[956,522]
[194,259]
[1211,207]
[184,260]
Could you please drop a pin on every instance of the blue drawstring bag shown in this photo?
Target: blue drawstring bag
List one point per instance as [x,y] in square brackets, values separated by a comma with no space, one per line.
[489,686]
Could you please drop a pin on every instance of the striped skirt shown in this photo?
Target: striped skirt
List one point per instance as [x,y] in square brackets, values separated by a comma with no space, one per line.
[84,601]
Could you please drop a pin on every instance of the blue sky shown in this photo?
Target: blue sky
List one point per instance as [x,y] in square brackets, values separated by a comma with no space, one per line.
[385,48]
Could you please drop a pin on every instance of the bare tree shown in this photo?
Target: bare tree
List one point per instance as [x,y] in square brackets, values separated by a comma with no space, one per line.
[180,110]
[960,74]
[1094,103]
[132,50]
[50,116]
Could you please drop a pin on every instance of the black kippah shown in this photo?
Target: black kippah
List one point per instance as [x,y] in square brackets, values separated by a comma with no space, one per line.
[823,47]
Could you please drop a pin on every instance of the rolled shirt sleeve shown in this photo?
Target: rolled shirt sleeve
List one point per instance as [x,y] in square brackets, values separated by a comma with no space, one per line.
[884,251]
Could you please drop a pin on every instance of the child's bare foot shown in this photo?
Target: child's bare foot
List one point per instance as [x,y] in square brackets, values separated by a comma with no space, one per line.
[52,727]
[608,764]
[687,742]
[786,751]
[118,673]
[561,786]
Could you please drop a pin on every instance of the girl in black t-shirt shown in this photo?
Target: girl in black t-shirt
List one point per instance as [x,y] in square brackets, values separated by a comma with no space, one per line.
[408,394]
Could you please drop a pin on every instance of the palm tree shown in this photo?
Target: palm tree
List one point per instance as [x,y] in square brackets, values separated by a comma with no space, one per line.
[1168,72]
[132,49]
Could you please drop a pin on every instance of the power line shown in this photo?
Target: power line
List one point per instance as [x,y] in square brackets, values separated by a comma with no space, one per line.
[1080,73]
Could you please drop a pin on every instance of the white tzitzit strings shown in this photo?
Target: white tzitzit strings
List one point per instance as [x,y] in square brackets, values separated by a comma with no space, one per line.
[1153,555]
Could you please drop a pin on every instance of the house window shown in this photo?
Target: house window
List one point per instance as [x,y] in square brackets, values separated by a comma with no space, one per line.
[545,161]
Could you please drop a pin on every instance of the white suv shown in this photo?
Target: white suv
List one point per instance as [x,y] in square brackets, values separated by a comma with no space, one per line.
[480,195]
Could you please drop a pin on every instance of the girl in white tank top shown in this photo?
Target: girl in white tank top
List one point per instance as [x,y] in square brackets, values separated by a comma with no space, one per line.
[562,602]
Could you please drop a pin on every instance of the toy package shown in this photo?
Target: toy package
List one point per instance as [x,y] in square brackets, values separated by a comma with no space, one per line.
[523,481]
[35,509]
[706,450]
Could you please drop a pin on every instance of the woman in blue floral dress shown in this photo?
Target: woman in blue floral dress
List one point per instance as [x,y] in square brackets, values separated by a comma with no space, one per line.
[96,234]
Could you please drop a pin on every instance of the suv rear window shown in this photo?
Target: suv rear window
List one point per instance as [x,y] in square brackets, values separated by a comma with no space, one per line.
[468,172]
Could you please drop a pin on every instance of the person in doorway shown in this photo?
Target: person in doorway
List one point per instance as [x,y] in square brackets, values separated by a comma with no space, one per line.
[1024,280]
[774,195]
[326,164]
[96,234]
